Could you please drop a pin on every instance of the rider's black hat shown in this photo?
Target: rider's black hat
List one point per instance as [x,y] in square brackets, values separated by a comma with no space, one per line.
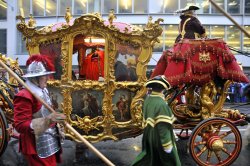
[188,8]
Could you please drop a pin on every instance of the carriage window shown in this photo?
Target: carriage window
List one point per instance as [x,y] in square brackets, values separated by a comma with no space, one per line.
[53,51]
[90,57]
[125,63]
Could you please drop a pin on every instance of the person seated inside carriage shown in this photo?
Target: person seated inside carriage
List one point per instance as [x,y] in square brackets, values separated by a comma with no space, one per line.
[189,26]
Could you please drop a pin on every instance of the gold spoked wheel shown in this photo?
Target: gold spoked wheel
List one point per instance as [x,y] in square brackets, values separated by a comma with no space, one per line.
[3,133]
[215,141]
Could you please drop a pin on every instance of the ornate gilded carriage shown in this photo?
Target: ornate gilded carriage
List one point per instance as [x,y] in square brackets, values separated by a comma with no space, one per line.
[99,83]
[100,72]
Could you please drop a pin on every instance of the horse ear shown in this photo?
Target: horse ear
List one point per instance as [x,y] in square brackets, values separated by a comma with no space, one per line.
[17,59]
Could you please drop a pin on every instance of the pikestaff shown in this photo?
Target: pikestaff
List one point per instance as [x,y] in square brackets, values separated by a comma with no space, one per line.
[70,128]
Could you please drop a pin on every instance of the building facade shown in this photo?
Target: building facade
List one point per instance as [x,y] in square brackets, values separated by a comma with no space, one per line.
[136,12]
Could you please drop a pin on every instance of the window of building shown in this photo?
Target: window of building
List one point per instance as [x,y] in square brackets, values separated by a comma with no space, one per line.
[217,32]
[170,6]
[3,10]
[21,44]
[233,6]
[246,41]
[170,34]
[80,7]
[64,4]
[3,41]
[94,6]
[125,6]
[185,3]
[38,7]
[233,37]
[204,6]
[24,8]
[219,3]
[51,7]
[108,5]
[156,6]
[207,28]
[247,6]
[141,6]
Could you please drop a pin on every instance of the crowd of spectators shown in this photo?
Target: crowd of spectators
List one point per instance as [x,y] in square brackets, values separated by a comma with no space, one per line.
[235,93]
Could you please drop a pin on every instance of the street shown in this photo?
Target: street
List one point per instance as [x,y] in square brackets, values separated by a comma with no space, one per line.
[121,153]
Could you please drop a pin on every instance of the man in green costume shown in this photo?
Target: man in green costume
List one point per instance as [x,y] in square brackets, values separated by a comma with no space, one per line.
[158,142]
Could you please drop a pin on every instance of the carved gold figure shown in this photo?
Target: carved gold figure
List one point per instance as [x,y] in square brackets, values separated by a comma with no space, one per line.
[31,22]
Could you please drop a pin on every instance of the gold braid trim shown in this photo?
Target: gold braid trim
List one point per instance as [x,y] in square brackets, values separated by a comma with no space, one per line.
[168,145]
[158,119]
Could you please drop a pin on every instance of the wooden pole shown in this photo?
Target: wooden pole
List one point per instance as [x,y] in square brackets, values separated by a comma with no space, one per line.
[230,18]
[70,128]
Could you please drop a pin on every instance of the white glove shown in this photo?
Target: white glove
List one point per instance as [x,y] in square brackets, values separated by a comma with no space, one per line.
[169,150]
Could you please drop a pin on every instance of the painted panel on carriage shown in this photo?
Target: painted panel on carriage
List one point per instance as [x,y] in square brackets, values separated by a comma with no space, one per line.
[87,103]
[56,98]
[125,62]
[121,104]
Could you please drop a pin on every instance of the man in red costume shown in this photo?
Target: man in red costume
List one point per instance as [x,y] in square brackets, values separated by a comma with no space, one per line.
[39,135]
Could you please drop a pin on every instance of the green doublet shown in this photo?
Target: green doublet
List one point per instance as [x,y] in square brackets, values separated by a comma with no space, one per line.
[158,134]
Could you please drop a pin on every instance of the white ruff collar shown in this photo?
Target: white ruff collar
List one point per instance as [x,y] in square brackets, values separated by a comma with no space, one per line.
[35,89]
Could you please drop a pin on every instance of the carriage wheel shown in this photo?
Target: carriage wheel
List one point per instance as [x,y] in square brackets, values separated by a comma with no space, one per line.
[3,132]
[215,141]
